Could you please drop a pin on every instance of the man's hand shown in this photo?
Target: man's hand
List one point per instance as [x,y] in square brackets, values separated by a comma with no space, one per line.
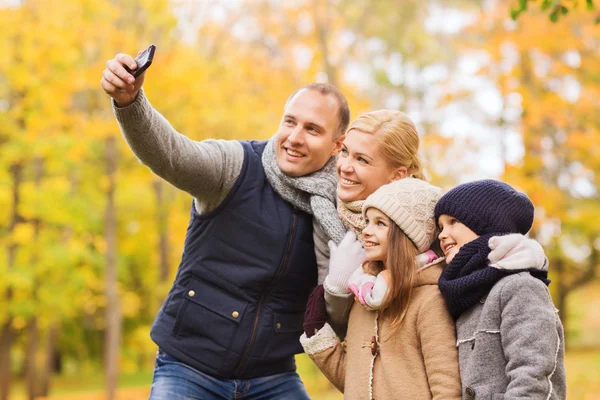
[343,261]
[120,84]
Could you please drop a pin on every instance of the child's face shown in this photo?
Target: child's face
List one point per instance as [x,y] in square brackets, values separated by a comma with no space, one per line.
[375,235]
[453,235]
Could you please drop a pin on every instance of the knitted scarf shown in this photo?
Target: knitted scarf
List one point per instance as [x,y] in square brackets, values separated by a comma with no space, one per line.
[313,193]
[351,215]
[468,278]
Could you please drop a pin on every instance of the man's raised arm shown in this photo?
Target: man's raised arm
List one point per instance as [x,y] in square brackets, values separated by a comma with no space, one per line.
[207,170]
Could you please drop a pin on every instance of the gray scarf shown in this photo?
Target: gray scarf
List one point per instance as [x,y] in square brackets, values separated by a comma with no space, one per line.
[314,193]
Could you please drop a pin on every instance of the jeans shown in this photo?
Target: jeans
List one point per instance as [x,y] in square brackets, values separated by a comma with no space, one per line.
[174,380]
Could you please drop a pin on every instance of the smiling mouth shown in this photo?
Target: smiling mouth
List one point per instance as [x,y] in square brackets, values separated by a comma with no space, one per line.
[293,153]
[348,181]
[370,244]
[449,247]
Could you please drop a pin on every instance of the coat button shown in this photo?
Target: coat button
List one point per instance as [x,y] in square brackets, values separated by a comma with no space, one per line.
[470,393]
[235,314]
[278,325]
[191,293]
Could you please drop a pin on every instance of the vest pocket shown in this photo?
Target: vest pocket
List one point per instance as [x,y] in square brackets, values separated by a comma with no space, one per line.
[286,341]
[207,321]
[288,323]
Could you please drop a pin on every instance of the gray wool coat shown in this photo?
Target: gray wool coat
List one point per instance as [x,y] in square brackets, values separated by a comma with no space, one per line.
[511,344]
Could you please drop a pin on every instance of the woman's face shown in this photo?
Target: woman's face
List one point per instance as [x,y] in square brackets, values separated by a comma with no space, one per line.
[361,167]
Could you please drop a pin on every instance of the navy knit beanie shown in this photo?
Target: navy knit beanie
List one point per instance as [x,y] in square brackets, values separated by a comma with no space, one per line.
[488,206]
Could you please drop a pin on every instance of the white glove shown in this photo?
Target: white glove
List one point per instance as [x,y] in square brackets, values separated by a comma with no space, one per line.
[515,251]
[343,260]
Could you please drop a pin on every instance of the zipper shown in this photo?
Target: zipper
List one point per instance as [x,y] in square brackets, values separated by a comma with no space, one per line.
[284,262]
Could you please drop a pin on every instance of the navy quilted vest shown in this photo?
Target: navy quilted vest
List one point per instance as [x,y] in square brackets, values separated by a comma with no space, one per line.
[237,304]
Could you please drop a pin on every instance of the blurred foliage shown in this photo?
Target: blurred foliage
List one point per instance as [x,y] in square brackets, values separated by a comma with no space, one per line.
[548,95]
[555,9]
[224,70]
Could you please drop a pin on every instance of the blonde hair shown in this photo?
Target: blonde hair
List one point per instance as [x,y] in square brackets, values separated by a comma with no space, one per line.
[396,137]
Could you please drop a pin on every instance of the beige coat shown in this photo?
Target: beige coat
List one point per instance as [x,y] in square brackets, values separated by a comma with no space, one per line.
[420,361]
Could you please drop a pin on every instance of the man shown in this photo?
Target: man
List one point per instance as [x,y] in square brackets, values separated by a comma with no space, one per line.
[231,322]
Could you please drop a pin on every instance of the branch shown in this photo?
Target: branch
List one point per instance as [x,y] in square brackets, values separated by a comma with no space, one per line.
[590,272]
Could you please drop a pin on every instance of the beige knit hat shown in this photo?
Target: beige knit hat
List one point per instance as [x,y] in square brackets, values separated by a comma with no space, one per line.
[410,203]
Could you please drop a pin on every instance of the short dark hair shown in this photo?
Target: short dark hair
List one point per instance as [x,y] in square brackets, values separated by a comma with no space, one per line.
[327,89]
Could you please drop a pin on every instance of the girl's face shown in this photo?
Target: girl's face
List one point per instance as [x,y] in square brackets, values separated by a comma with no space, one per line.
[375,235]
[361,168]
[453,235]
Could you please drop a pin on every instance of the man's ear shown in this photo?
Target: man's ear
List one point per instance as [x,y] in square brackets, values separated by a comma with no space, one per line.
[399,173]
[338,145]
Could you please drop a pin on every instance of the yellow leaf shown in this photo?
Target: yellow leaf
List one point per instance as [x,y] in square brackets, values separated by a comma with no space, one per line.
[23,233]
[130,304]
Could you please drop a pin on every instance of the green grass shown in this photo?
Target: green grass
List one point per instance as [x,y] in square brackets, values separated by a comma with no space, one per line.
[583,378]
[317,385]
[583,374]
[84,385]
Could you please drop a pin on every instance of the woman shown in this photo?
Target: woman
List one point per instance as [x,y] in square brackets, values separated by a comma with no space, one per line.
[380,147]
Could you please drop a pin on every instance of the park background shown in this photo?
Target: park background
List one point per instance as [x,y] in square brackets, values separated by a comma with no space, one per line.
[90,240]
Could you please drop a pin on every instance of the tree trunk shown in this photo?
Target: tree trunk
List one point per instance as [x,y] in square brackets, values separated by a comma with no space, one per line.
[50,361]
[113,316]
[30,358]
[6,340]
[561,295]
[32,325]
[163,227]
[322,22]
[52,364]
[7,334]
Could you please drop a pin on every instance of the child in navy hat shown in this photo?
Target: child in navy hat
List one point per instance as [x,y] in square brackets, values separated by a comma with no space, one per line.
[510,338]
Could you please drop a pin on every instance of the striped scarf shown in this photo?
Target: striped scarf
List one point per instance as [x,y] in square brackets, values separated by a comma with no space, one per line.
[351,215]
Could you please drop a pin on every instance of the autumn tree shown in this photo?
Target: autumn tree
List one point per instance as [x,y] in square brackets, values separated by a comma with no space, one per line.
[549,115]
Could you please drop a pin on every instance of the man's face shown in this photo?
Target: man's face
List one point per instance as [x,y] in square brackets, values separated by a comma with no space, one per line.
[305,141]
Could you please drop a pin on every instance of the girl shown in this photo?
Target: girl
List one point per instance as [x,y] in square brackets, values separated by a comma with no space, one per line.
[402,346]
[510,338]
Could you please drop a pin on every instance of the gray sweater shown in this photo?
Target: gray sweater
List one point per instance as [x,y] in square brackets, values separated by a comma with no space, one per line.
[511,344]
[206,170]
